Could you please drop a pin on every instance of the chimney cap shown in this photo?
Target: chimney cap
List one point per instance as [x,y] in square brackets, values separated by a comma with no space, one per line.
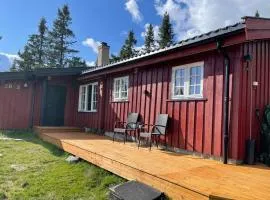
[104,44]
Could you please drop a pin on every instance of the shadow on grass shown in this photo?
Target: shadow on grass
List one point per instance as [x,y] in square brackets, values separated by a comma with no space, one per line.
[30,136]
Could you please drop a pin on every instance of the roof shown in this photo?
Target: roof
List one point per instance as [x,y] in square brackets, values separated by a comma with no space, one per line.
[41,72]
[228,30]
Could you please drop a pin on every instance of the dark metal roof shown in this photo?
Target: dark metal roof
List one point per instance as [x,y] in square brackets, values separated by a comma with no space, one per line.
[42,72]
[197,39]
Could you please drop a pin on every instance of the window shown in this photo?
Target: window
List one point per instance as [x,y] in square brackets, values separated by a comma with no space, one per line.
[120,88]
[187,81]
[88,98]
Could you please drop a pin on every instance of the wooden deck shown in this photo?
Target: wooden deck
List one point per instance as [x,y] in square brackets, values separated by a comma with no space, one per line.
[179,176]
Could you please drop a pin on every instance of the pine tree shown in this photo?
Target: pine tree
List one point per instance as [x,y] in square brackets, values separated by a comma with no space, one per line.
[257,14]
[128,49]
[61,39]
[166,34]
[76,62]
[149,40]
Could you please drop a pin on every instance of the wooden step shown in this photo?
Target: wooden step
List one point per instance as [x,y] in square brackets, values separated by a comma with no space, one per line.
[51,129]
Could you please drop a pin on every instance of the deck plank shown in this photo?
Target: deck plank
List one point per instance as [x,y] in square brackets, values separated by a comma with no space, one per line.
[180,176]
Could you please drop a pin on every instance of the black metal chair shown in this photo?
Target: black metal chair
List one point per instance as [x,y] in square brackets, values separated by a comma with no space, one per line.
[124,127]
[158,129]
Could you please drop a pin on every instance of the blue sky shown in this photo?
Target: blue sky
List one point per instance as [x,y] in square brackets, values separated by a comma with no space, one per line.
[109,20]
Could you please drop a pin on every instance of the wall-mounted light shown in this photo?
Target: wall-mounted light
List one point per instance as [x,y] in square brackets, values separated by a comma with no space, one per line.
[255,84]
[147,93]
[247,58]
[25,85]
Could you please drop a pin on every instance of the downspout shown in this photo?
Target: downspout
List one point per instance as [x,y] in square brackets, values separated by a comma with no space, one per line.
[226,100]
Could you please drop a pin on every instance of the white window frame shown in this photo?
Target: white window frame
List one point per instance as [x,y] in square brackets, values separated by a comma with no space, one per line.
[187,68]
[120,98]
[85,109]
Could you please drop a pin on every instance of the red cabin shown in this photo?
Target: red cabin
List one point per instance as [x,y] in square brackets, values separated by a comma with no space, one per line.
[186,80]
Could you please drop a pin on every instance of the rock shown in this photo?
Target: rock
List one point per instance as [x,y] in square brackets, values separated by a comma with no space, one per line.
[72,159]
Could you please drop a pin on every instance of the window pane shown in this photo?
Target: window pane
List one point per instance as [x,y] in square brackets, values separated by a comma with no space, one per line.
[193,71]
[123,94]
[198,80]
[198,71]
[191,90]
[195,80]
[94,100]
[179,73]
[198,89]
[178,91]
[116,89]
[94,105]
[83,98]
[192,80]
[89,98]
[116,95]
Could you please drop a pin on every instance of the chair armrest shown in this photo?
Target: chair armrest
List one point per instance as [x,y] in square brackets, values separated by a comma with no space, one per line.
[142,127]
[156,126]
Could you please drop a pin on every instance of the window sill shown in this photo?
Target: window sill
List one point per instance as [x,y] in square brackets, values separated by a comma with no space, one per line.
[187,99]
[120,101]
[82,111]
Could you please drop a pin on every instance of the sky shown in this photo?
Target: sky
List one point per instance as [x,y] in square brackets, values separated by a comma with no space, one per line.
[95,21]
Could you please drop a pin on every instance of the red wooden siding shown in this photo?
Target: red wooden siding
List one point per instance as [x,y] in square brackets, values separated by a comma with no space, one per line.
[195,125]
[253,98]
[15,106]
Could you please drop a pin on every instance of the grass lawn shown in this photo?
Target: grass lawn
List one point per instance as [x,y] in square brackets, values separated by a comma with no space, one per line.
[33,169]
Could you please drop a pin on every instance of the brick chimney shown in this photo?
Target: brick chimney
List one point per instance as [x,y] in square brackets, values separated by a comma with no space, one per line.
[103,54]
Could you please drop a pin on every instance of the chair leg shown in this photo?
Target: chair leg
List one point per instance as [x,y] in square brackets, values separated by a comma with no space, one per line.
[139,142]
[113,136]
[150,142]
[166,141]
[125,137]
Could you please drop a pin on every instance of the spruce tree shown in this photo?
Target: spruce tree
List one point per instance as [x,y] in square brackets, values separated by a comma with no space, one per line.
[26,60]
[42,43]
[61,39]
[128,49]
[149,40]
[166,34]
[34,53]
[14,67]
[257,14]
[114,58]
[76,62]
